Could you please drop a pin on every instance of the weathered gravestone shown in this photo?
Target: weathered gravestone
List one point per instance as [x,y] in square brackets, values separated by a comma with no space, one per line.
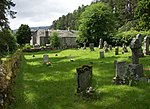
[91,45]
[100,43]
[102,54]
[105,46]
[135,69]
[120,72]
[139,37]
[84,78]
[124,48]
[110,47]
[116,50]
[146,45]
[84,45]
[45,59]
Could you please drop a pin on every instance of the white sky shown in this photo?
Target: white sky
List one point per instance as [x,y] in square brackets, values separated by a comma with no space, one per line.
[42,12]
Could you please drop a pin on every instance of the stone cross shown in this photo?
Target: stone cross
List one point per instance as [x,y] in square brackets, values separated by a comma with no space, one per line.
[84,78]
[100,43]
[135,46]
[146,45]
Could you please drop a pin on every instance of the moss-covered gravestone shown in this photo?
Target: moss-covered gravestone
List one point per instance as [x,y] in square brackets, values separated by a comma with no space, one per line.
[84,78]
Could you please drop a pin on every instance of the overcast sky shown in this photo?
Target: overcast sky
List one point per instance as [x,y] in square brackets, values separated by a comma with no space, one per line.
[42,12]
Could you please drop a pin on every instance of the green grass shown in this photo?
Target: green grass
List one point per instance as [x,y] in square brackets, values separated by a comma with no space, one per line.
[38,86]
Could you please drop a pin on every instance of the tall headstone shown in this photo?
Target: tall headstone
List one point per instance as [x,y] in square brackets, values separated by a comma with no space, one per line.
[91,46]
[146,45]
[135,69]
[84,78]
[116,50]
[120,72]
[105,46]
[84,45]
[45,59]
[139,37]
[100,43]
[102,54]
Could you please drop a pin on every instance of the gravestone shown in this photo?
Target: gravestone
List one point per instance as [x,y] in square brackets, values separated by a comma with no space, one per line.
[139,37]
[135,69]
[45,59]
[120,72]
[116,50]
[102,54]
[84,78]
[146,45]
[124,48]
[105,46]
[100,43]
[36,46]
[84,45]
[91,45]
[110,47]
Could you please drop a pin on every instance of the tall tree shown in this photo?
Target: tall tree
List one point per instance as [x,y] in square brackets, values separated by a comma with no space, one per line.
[23,34]
[5,9]
[96,22]
[7,41]
[142,13]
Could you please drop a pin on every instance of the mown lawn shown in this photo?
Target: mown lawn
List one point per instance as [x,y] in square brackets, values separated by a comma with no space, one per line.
[38,86]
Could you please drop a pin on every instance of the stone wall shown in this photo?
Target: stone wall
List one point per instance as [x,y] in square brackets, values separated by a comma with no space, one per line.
[8,71]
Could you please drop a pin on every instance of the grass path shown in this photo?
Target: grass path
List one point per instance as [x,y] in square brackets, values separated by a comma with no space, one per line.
[53,87]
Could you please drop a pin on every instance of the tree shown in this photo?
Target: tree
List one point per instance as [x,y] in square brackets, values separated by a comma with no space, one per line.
[54,40]
[96,22]
[142,13]
[23,34]
[5,6]
[7,41]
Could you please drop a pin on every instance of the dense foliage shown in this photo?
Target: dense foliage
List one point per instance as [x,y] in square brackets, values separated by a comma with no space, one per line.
[96,22]
[23,34]
[143,14]
[130,15]
[5,9]
[7,41]
[54,40]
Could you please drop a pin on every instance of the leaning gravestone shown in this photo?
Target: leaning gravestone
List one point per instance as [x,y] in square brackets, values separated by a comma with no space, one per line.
[116,50]
[100,43]
[120,72]
[84,78]
[84,45]
[45,59]
[135,69]
[139,37]
[102,54]
[146,45]
[91,45]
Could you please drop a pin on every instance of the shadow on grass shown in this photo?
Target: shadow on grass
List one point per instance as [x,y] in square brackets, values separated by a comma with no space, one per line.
[53,87]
